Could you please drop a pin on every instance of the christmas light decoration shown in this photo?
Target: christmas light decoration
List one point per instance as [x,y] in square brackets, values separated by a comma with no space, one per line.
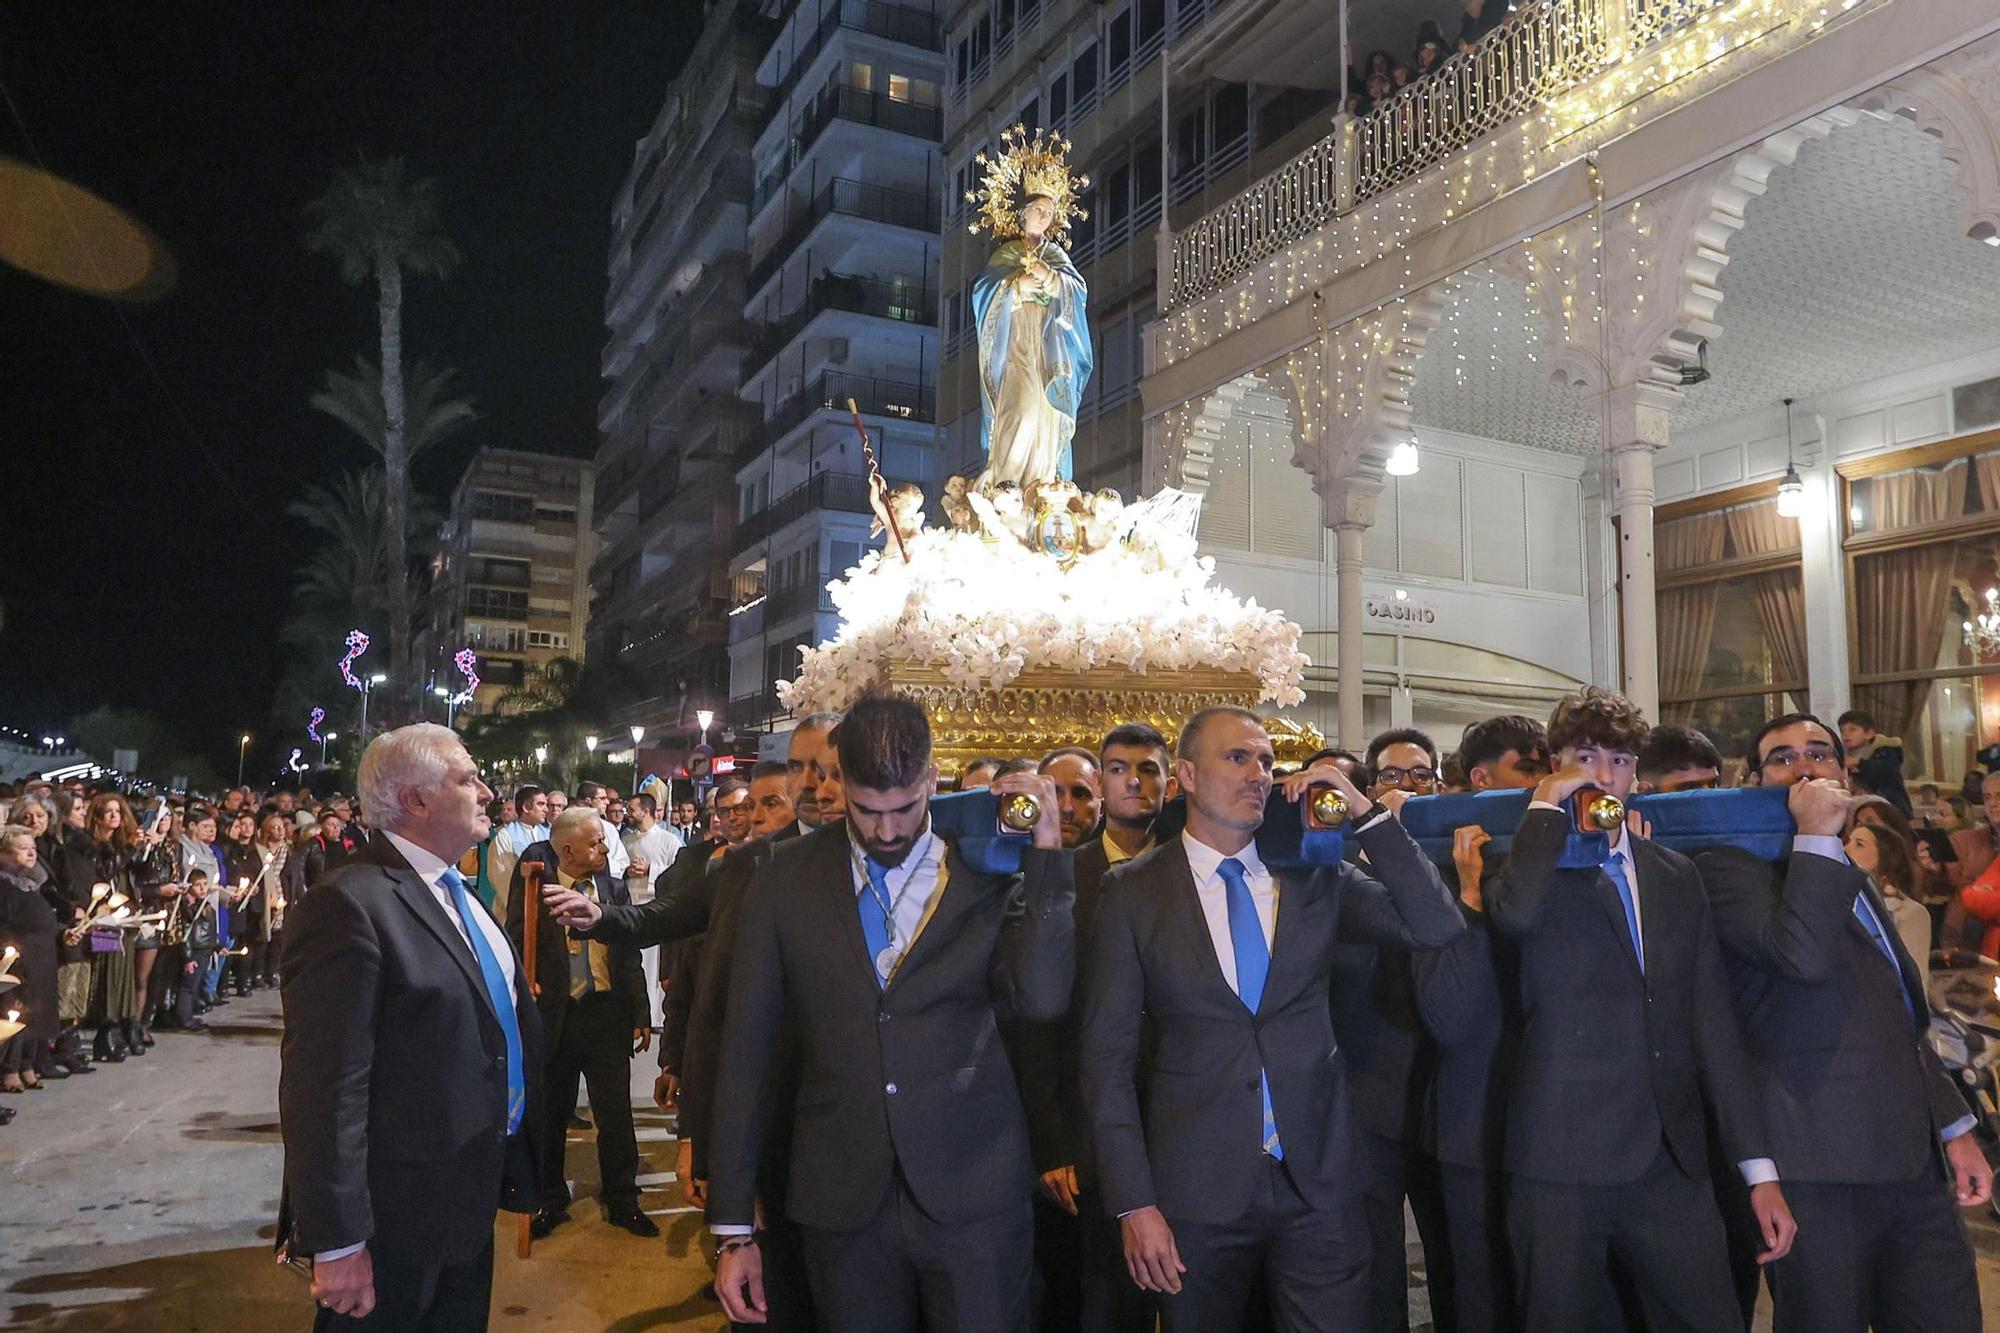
[357,644]
[295,762]
[312,724]
[467,663]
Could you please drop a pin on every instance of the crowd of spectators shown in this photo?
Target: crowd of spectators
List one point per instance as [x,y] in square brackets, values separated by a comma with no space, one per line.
[1383,73]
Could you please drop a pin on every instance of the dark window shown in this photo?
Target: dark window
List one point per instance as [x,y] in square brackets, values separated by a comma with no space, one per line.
[1232,112]
[1058,99]
[1118,44]
[1031,114]
[982,39]
[507,573]
[1117,198]
[1006,8]
[1083,73]
[1190,142]
[502,507]
[500,671]
[497,604]
[1146,174]
[963,59]
[1152,19]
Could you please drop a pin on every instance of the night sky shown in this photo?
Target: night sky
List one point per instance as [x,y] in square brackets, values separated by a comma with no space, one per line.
[150,450]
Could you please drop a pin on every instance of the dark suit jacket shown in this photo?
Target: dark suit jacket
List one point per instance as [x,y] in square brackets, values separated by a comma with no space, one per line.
[1387,1053]
[1852,1091]
[679,908]
[1195,1148]
[1612,1060]
[1044,1055]
[907,1078]
[393,1091]
[1468,994]
[555,966]
[708,1005]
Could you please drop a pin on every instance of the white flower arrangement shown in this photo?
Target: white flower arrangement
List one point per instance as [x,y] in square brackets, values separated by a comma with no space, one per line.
[982,612]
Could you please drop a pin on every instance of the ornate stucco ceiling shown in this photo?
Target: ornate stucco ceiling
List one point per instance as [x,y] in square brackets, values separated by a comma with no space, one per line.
[1855,265]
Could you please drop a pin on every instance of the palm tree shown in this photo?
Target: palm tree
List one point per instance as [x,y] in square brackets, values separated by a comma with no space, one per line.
[379,222]
[430,416]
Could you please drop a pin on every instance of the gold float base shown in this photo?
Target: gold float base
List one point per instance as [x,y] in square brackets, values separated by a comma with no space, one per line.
[1042,711]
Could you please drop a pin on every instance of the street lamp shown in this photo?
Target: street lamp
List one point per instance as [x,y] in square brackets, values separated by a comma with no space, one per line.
[242,748]
[450,702]
[638,734]
[325,739]
[590,744]
[705,716]
[368,684]
[541,755]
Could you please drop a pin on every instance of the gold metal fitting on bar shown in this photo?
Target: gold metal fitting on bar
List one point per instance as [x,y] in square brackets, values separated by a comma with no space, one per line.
[1328,808]
[1019,812]
[1605,812]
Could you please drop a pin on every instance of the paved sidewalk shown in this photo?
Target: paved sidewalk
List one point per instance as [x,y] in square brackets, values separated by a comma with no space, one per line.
[142,1198]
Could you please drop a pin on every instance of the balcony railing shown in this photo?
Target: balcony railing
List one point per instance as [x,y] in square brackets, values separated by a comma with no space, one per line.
[840,101]
[906,302]
[842,492]
[806,596]
[750,709]
[896,208]
[898,23]
[877,397]
[1543,49]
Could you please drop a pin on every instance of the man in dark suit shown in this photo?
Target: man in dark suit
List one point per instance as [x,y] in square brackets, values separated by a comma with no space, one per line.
[892,961]
[811,767]
[408,1098]
[1628,1047]
[1079,1252]
[1245,1158]
[1467,995]
[596,1015]
[1871,1137]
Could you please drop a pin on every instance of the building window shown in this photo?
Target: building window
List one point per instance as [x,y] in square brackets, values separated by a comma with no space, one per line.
[494,638]
[544,514]
[500,507]
[861,75]
[502,671]
[1058,98]
[548,639]
[1923,553]
[1732,622]
[506,573]
[1083,78]
[497,603]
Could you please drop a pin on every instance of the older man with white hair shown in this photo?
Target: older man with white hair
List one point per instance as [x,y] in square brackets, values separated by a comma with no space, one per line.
[407,1099]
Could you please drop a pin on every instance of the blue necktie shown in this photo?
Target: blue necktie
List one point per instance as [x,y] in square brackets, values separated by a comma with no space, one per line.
[875,920]
[1253,965]
[1615,868]
[1866,914]
[496,991]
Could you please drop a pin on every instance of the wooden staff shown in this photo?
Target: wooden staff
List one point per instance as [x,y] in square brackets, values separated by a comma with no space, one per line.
[875,475]
[531,927]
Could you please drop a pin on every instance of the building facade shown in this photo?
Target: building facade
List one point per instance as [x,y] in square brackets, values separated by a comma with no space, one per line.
[512,580]
[842,301]
[672,429]
[1647,343]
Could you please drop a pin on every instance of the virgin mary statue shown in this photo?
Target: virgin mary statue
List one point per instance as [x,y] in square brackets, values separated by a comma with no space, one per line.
[1030,307]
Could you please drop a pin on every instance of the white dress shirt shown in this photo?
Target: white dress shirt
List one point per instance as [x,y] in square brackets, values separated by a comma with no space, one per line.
[1210,888]
[657,847]
[616,859]
[431,869]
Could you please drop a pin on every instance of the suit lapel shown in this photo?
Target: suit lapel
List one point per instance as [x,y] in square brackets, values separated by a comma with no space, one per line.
[837,873]
[1905,966]
[415,895]
[1184,901]
[1300,898]
[960,888]
[1613,907]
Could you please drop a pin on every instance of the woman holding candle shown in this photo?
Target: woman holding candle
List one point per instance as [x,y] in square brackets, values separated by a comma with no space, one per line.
[27,925]
[117,856]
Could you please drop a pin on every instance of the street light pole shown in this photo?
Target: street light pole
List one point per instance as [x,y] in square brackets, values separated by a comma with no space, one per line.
[368,685]
[242,748]
[638,734]
[324,739]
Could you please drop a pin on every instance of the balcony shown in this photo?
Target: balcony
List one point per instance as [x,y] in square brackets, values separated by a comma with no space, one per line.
[898,23]
[905,302]
[842,492]
[803,598]
[876,397]
[749,710]
[841,101]
[1544,50]
[896,208]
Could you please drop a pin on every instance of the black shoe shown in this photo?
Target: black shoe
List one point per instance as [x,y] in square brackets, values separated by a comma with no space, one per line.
[53,1071]
[546,1220]
[578,1122]
[109,1048]
[627,1217]
[194,1025]
[6,1115]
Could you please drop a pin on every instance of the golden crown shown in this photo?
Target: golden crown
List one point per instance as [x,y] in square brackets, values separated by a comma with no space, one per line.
[1025,167]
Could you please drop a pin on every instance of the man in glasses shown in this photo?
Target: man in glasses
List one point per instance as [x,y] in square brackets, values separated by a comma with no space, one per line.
[1375,1013]
[1872,1140]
